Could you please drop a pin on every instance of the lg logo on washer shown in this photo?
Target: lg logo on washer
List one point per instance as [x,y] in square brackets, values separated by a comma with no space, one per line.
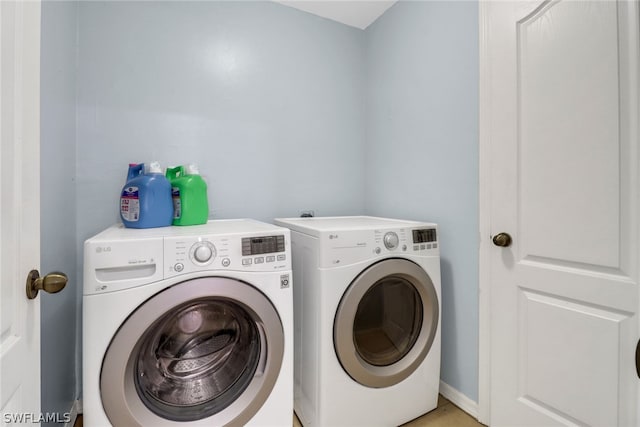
[101,249]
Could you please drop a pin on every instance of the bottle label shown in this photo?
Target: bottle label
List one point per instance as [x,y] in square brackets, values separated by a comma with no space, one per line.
[130,204]
[175,195]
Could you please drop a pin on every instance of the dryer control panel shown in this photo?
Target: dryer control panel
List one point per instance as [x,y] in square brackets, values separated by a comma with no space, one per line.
[351,246]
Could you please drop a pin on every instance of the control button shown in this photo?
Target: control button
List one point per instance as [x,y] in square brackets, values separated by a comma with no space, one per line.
[247,261]
[378,250]
[226,262]
[178,267]
[415,247]
[282,257]
[202,253]
[423,247]
[429,246]
[271,258]
[258,260]
[435,246]
[391,240]
[404,247]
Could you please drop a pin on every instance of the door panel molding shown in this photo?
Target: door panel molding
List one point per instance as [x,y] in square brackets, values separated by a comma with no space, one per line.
[565,128]
[613,273]
[547,321]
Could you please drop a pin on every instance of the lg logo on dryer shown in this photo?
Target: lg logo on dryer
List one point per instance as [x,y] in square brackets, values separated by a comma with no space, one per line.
[101,249]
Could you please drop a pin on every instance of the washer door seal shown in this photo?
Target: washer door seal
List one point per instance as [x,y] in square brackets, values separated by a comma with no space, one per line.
[386,323]
[229,307]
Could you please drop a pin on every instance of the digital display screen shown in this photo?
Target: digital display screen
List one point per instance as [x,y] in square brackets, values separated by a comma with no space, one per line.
[424,235]
[262,245]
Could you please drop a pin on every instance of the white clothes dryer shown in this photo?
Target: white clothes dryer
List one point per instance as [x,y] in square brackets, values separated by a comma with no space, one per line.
[188,326]
[367,316]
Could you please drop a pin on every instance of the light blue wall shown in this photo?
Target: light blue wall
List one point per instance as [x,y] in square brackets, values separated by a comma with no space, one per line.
[267,100]
[59,313]
[422,152]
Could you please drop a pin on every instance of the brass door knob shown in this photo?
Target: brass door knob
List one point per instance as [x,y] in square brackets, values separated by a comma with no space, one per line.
[502,240]
[51,283]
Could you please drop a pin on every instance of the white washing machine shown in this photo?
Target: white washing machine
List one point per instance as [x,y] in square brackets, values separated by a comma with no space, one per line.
[367,316]
[188,326]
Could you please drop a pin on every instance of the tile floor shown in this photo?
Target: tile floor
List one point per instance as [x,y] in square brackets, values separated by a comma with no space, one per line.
[445,415]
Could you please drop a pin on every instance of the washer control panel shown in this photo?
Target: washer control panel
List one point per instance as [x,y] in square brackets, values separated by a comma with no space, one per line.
[188,254]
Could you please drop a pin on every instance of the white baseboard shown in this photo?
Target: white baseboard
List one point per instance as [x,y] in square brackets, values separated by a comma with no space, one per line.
[76,409]
[459,399]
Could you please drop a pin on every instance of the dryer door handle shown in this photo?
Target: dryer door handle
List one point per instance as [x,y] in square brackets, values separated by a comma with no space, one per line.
[262,362]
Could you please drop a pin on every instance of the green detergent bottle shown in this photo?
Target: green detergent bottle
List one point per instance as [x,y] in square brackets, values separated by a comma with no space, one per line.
[189,194]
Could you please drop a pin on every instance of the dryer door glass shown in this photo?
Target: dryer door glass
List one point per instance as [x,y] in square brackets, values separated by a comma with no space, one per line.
[388,321]
[197,359]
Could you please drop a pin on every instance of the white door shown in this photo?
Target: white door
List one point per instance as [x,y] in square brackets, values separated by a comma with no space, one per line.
[19,210]
[560,121]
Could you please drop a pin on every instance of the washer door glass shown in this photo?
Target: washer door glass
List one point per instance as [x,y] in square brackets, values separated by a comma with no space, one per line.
[197,359]
[208,349]
[386,322]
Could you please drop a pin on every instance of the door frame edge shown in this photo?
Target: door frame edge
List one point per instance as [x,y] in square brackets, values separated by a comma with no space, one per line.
[484,217]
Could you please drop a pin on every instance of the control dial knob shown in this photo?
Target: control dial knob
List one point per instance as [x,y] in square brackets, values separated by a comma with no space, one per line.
[391,240]
[203,253]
